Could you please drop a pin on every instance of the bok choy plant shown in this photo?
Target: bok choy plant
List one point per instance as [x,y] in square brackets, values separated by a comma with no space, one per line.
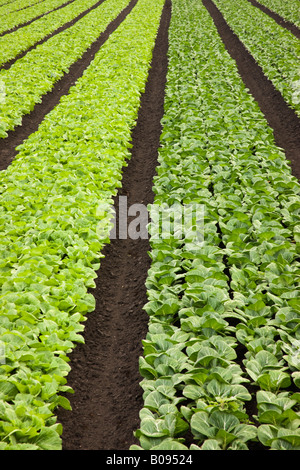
[223,323]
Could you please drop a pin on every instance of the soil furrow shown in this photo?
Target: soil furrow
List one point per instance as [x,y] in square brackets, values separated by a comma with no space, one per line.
[35,19]
[31,122]
[281,118]
[8,64]
[104,371]
[275,16]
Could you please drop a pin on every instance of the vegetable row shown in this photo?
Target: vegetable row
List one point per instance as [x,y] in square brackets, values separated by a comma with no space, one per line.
[19,17]
[7,7]
[55,218]
[19,41]
[273,47]
[5,2]
[35,74]
[220,364]
[288,11]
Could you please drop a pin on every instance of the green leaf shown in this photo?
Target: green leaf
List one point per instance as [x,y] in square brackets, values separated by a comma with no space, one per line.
[211,444]
[200,424]
[154,400]
[267,434]
[224,421]
[225,437]
[47,439]
[170,444]
[291,436]
[274,380]
[152,428]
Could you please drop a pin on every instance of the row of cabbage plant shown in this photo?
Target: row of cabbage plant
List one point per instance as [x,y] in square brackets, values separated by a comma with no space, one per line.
[221,362]
[274,48]
[14,19]
[20,40]
[35,74]
[288,11]
[10,6]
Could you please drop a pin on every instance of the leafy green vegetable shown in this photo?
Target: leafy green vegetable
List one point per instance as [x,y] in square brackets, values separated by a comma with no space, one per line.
[274,48]
[224,312]
[50,241]
[27,80]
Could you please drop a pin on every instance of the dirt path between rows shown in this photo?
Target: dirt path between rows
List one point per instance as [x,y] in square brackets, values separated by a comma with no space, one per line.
[31,122]
[280,117]
[104,371]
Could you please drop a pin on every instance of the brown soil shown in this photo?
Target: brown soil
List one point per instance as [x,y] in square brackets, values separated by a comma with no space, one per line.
[281,118]
[31,122]
[104,371]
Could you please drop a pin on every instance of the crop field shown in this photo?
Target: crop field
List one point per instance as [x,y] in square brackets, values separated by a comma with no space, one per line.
[149,225]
